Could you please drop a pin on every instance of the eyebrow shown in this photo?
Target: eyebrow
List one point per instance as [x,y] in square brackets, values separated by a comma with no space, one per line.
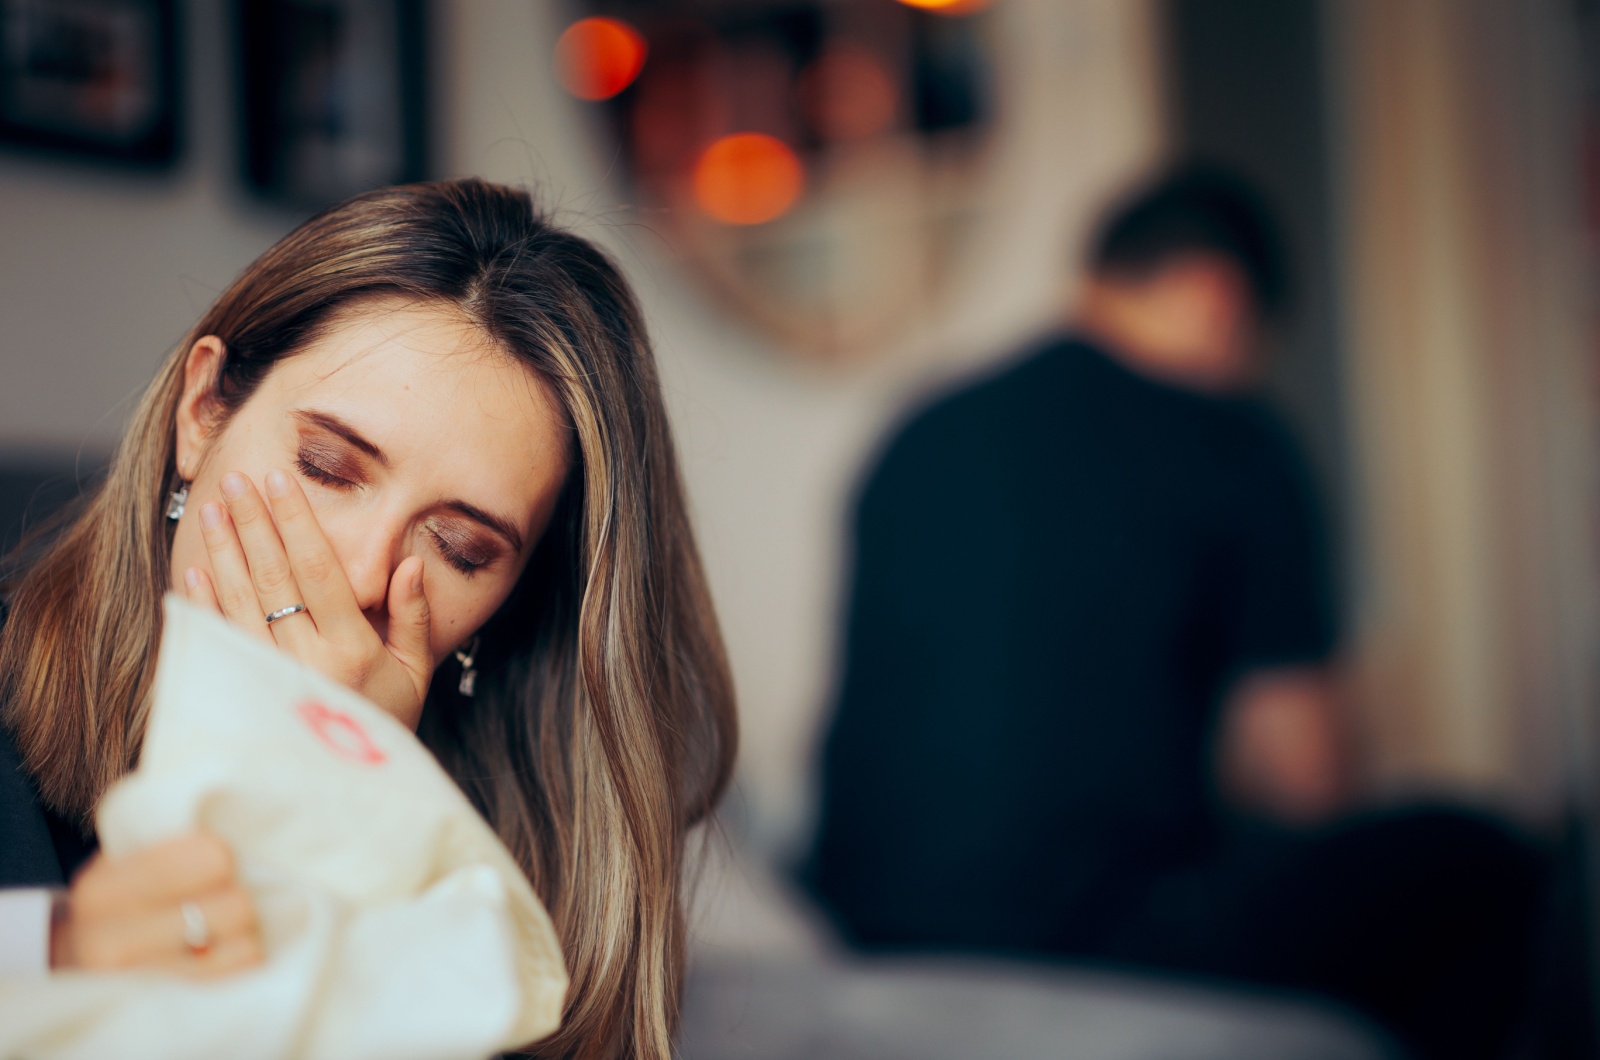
[333,424]
[502,526]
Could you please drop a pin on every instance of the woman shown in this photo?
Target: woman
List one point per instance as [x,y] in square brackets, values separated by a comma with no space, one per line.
[419,444]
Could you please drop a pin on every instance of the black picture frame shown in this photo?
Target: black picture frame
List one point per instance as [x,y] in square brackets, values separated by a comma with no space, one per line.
[333,97]
[96,78]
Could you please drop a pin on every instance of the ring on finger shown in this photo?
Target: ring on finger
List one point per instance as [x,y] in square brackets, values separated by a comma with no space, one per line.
[196,932]
[284,612]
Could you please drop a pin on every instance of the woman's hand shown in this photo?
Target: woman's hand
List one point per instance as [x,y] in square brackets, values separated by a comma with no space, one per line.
[130,912]
[270,554]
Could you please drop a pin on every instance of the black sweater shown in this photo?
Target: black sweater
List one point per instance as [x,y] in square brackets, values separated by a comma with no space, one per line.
[28,855]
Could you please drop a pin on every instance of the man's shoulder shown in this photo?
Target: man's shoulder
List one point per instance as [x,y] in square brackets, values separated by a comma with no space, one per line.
[1039,379]
[1253,440]
[949,444]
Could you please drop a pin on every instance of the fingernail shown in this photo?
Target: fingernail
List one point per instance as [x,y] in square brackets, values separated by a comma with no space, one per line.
[191,578]
[277,483]
[233,485]
[416,579]
[211,515]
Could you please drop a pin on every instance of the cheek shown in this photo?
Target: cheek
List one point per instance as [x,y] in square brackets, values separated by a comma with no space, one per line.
[458,605]
[344,525]
[188,549]
[238,447]
[188,546]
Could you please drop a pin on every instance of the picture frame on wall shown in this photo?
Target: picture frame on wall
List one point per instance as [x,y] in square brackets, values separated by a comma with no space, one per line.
[91,77]
[334,97]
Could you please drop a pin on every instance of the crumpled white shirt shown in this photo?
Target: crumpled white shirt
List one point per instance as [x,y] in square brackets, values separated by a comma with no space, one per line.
[396,925]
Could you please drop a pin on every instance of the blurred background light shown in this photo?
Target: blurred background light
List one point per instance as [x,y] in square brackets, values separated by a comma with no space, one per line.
[598,57]
[747,179]
[885,118]
[847,94]
[948,7]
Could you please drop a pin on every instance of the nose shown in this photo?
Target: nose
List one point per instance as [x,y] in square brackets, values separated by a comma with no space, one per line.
[369,552]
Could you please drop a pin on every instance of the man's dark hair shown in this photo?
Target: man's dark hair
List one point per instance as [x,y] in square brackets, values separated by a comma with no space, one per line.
[1196,210]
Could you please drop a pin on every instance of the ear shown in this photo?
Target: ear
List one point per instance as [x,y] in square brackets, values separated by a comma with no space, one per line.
[196,414]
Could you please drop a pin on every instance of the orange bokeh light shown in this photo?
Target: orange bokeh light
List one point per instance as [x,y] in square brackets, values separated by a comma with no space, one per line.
[748,179]
[948,7]
[598,57]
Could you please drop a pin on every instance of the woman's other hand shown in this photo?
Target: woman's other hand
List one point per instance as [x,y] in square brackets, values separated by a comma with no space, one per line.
[269,553]
[174,906]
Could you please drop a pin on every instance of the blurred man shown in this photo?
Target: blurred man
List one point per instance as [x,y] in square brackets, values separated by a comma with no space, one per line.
[1091,620]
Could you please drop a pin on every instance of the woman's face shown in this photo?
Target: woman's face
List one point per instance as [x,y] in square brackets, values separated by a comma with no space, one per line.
[412,434]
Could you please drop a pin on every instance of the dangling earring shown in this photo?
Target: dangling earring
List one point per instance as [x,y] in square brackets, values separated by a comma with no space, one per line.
[469,672]
[178,500]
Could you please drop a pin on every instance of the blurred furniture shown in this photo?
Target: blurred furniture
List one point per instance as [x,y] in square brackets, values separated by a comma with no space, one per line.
[769,980]
[33,487]
[945,1009]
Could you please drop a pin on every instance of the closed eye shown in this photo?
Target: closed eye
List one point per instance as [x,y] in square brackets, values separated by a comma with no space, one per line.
[318,473]
[465,564]
[464,548]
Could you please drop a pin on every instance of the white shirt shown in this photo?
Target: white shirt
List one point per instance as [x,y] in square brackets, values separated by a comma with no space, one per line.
[25,931]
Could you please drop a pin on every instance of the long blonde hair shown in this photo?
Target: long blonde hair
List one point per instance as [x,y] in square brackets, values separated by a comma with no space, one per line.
[603,725]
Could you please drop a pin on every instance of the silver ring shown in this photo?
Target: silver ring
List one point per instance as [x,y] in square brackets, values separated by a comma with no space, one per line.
[285,612]
[196,932]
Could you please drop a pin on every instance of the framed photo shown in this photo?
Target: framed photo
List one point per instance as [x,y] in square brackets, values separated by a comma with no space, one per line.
[95,77]
[334,96]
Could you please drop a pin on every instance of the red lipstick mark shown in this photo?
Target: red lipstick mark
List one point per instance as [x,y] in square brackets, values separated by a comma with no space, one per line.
[341,733]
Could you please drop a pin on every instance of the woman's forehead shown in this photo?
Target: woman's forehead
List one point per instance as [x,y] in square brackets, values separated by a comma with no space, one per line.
[433,391]
[400,335]
[434,354]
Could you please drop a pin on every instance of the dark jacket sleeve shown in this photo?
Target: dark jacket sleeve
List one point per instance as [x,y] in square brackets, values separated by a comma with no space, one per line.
[27,854]
[1284,610]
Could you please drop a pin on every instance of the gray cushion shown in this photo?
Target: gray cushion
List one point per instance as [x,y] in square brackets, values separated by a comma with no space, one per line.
[927,1009]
